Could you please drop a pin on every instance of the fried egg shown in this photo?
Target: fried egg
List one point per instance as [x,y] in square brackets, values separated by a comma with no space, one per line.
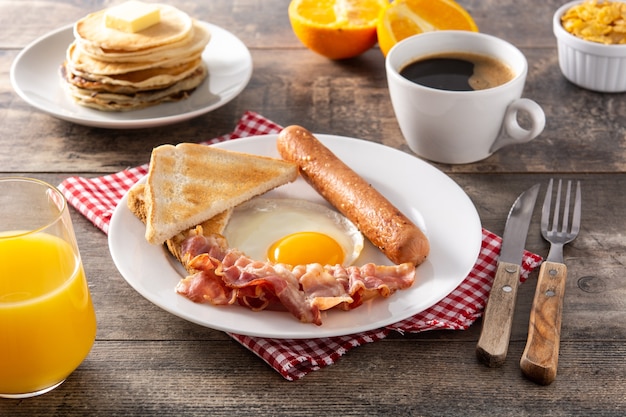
[294,232]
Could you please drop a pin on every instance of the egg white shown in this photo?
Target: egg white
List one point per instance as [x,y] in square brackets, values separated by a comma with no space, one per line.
[258,223]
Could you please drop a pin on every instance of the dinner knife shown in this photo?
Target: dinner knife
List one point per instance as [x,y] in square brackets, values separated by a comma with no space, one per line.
[493,343]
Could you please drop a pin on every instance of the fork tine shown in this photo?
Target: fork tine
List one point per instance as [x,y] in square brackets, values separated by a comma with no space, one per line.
[566,208]
[557,208]
[577,209]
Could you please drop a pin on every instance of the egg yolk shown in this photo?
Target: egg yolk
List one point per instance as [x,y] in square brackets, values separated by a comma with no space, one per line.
[306,248]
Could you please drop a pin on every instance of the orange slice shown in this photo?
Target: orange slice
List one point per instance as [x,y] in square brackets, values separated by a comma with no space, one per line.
[336,29]
[404,18]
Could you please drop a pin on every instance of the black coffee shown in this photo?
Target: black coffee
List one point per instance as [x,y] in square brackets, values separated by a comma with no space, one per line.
[458,72]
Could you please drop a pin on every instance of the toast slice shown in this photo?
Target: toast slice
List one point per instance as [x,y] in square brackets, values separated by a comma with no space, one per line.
[215,225]
[190,183]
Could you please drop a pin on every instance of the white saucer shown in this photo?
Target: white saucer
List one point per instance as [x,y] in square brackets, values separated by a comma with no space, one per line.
[35,76]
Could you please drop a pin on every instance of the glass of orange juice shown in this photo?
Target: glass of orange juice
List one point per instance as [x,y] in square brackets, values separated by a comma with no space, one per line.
[47,319]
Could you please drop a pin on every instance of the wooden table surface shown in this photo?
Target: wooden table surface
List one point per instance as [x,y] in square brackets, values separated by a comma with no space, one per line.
[146,361]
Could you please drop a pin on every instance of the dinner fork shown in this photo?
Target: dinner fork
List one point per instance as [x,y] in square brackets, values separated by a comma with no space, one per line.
[541,354]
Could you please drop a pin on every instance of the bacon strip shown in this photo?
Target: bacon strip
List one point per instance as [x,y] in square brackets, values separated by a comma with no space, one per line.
[206,285]
[223,276]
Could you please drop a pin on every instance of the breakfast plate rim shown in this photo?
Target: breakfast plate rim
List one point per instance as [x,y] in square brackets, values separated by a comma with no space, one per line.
[446,213]
[228,59]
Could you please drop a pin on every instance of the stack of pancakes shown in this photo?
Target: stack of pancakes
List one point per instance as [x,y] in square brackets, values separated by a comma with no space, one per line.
[112,70]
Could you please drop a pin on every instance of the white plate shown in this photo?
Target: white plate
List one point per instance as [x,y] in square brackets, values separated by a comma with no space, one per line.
[426,195]
[35,76]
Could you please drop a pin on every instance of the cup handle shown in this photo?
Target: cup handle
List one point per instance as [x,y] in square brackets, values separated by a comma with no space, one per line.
[511,132]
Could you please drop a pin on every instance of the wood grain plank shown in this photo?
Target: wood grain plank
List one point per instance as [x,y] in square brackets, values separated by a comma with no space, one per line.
[426,378]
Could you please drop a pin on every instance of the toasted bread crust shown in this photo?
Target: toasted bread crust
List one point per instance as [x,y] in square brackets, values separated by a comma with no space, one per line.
[136,201]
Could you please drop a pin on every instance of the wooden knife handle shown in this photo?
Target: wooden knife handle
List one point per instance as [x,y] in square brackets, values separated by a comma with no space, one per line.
[541,354]
[493,343]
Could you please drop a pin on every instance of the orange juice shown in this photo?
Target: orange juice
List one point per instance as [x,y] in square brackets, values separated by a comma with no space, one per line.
[47,320]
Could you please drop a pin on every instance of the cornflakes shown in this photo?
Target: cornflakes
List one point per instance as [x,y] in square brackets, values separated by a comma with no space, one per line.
[595,21]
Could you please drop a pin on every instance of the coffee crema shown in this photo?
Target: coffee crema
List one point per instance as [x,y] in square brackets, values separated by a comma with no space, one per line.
[458,71]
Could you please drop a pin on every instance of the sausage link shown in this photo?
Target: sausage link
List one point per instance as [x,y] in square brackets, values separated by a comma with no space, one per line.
[379,220]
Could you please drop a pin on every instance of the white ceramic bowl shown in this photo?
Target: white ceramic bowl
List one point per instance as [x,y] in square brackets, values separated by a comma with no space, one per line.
[590,65]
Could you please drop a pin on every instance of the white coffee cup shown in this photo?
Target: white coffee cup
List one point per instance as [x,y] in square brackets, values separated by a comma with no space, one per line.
[458,127]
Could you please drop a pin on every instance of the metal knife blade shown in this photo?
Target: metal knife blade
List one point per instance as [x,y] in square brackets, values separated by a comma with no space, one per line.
[493,343]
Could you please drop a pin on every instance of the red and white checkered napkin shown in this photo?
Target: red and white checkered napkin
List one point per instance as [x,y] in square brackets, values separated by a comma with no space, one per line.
[96,198]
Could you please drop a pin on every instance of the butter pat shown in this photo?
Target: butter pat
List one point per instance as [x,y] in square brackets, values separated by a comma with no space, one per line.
[132,16]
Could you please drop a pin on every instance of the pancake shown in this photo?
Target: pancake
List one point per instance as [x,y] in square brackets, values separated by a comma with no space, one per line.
[174,26]
[78,80]
[195,42]
[85,64]
[150,79]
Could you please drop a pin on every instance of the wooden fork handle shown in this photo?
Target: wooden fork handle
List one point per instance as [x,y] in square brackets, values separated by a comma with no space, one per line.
[493,343]
[541,354]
